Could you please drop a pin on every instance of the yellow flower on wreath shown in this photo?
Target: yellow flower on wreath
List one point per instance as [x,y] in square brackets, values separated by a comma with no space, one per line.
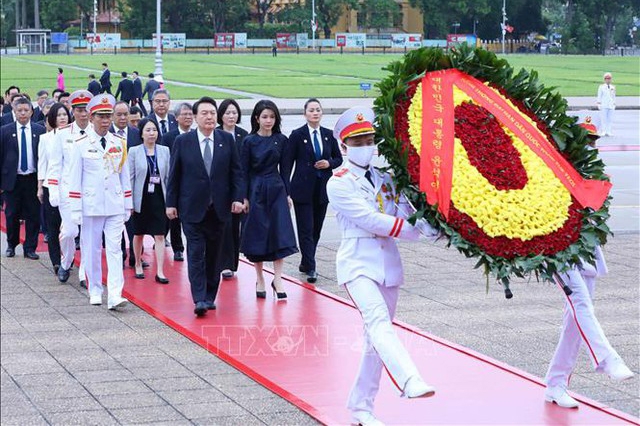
[538,209]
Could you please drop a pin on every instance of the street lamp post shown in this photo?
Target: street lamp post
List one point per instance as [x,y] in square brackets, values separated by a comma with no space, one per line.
[95,18]
[158,71]
[504,22]
[313,24]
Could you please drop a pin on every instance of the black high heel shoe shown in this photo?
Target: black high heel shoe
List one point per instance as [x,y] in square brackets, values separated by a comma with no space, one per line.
[260,294]
[278,295]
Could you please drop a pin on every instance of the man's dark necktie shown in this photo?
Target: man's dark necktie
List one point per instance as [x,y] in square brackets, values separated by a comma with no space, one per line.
[368,176]
[103,142]
[24,162]
[208,155]
[163,126]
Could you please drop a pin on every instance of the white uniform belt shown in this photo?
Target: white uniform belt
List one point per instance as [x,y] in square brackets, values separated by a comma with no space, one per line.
[358,233]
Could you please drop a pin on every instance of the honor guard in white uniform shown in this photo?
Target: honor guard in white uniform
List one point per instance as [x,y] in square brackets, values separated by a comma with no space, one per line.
[58,180]
[371,215]
[580,327]
[100,193]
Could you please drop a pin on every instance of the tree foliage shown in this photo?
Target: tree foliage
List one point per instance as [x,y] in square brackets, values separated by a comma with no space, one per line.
[378,14]
[328,12]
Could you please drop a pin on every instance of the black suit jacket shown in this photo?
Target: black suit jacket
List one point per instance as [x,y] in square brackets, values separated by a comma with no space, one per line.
[7,119]
[9,152]
[133,136]
[137,88]
[169,138]
[125,90]
[105,79]
[94,87]
[172,122]
[149,88]
[37,114]
[239,134]
[300,151]
[190,189]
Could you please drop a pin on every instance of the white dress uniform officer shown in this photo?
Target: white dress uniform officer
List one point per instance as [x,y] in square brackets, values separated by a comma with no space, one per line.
[58,180]
[100,193]
[580,326]
[368,262]
[606,102]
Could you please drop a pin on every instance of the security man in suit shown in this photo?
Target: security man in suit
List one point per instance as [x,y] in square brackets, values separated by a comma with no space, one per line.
[94,86]
[315,153]
[368,263]
[137,92]
[125,89]
[58,178]
[19,185]
[100,193]
[205,186]
[105,79]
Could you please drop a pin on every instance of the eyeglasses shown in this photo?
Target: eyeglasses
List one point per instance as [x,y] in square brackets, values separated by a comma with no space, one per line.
[161,101]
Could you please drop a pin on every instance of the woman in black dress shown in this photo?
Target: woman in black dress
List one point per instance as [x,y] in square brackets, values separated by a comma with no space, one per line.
[268,234]
[228,119]
[149,169]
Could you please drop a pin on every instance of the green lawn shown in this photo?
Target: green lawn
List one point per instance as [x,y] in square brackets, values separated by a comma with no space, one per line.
[298,76]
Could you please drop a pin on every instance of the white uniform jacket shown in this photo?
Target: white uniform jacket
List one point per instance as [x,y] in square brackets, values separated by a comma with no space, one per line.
[606,96]
[99,183]
[59,166]
[370,220]
[44,153]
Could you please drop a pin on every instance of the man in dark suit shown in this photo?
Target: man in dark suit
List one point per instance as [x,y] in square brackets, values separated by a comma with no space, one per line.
[149,88]
[315,152]
[19,160]
[125,89]
[121,127]
[10,116]
[205,186]
[38,116]
[8,94]
[137,92]
[161,115]
[184,115]
[105,79]
[93,87]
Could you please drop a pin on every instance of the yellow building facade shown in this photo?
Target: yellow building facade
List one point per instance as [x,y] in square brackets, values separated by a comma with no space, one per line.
[411,22]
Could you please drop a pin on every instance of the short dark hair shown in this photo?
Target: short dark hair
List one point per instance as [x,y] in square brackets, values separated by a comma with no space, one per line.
[311,100]
[223,108]
[92,76]
[104,64]
[52,115]
[121,103]
[23,101]
[203,100]
[135,110]
[135,72]
[257,110]
[6,92]
[60,70]
[15,96]
[42,92]
[151,75]
[53,93]
[143,123]
[124,74]
[64,95]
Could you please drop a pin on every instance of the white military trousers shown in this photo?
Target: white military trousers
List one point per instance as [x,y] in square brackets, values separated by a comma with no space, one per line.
[579,326]
[92,229]
[382,347]
[68,233]
[606,119]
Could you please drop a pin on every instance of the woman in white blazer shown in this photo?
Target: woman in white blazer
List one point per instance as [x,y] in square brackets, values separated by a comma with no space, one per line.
[149,169]
[56,116]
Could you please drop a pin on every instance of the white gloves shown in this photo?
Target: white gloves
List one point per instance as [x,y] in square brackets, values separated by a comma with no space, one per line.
[54,200]
[127,215]
[76,217]
[427,230]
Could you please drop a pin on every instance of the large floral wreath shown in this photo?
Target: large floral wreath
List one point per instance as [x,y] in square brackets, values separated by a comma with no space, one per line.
[507,201]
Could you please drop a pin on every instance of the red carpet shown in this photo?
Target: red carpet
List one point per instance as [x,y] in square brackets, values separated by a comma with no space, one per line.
[307,350]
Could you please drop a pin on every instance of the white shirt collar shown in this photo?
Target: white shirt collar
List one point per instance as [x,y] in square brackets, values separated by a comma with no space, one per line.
[165,118]
[357,170]
[201,136]
[125,130]
[28,125]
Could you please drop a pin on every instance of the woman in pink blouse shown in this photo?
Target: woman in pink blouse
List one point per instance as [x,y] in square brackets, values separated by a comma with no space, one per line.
[60,79]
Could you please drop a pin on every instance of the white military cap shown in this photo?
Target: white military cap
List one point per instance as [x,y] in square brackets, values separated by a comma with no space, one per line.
[101,103]
[354,122]
[80,98]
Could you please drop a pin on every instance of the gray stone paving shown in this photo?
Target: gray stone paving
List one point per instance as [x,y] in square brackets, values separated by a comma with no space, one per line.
[65,362]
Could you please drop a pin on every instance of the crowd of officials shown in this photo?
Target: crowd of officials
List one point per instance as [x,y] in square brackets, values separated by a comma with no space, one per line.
[92,171]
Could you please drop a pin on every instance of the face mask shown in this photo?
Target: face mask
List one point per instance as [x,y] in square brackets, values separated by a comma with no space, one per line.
[361,155]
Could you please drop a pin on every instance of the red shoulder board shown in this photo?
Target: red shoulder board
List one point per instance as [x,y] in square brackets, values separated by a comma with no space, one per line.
[341,172]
